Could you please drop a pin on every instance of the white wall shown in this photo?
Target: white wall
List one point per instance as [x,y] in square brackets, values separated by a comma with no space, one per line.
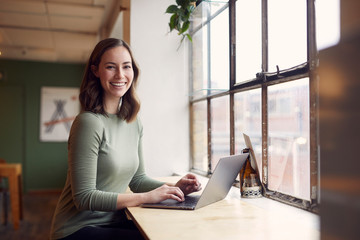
[163,88]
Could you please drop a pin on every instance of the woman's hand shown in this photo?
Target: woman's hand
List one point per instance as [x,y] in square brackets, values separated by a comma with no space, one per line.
[188,184]
[164,192]
[184,186]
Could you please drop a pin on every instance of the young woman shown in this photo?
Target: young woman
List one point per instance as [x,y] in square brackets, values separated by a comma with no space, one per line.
[105,153]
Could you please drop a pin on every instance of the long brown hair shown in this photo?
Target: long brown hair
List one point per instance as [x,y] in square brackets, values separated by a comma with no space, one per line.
[91,91]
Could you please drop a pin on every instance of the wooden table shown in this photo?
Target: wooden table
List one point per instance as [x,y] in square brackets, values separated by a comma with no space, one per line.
[12,171]
[231,218]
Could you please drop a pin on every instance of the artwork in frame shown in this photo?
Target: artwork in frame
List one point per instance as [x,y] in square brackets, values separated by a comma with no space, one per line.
[59,107]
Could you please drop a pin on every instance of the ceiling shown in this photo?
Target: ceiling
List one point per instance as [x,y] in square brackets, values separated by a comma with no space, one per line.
[54,30]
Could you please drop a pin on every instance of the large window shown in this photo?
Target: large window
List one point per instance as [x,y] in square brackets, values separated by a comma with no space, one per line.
[253,68]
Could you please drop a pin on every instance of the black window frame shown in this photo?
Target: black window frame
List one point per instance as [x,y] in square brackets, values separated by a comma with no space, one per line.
[263,80]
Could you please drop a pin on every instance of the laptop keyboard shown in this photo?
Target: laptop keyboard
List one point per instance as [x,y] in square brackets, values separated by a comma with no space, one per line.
[189,203]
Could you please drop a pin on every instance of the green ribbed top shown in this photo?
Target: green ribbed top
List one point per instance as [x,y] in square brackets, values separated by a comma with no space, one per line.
[104,158]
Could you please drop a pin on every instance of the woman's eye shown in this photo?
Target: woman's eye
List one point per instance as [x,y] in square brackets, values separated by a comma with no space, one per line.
[110,67]
[127,66]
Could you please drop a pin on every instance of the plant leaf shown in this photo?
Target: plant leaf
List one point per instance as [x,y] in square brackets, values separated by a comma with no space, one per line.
[189,37]
[172,9]
[174,21]
[184,27]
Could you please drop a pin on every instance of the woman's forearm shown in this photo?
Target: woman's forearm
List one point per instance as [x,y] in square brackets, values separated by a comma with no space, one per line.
[157,195]
[130,200]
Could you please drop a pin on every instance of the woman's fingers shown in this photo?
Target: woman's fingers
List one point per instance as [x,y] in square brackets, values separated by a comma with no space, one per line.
[188,184]
[167,192]
[176,193]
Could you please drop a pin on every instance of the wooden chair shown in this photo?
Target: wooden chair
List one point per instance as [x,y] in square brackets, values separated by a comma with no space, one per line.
[4,192]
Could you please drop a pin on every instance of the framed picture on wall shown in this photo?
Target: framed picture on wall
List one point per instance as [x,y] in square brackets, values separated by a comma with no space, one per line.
[59,107]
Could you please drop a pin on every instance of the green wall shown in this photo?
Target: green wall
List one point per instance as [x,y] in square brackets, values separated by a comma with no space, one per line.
[44,163]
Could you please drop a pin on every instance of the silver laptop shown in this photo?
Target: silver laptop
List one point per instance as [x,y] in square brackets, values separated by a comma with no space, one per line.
[216,189]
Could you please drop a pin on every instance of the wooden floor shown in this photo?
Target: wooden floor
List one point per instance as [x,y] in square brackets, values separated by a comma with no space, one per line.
[38,212]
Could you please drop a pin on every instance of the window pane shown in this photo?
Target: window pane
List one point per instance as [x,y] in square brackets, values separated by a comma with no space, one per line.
[199,16]
[287,33]
[220,129]
[247,107]
[248,39]
[206,10]
[216,5]
[199,136]
[199,64]
[327,23]
[219,52]
[289,147]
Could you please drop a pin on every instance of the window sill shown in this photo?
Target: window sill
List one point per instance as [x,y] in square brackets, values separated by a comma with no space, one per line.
[305,222]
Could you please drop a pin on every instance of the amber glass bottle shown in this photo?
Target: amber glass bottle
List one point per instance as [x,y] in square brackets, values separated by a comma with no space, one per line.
[250,185]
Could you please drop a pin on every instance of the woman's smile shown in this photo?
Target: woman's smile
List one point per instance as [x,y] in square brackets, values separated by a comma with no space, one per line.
[118,84]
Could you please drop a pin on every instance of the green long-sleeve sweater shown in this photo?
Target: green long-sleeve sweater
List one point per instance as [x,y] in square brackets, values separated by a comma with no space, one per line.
[104,158]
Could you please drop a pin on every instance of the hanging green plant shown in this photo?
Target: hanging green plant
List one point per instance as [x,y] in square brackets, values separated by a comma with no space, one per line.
[180,18]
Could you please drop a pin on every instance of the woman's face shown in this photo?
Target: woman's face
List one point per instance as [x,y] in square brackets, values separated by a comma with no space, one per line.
[116,73]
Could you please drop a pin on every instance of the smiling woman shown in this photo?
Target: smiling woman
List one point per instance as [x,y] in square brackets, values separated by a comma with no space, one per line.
[112,62]
[116,76]
[105,154]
